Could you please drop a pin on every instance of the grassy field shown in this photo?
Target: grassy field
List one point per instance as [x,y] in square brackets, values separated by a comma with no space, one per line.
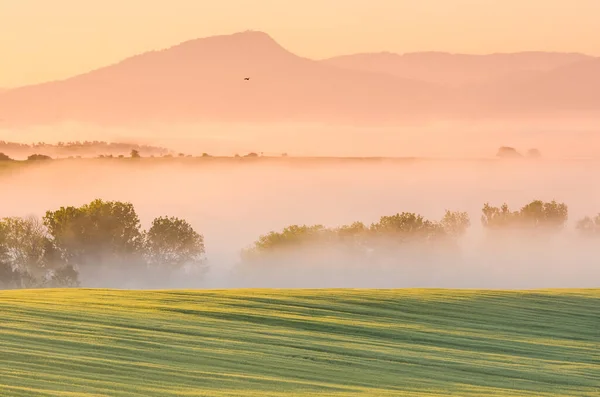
[299,342]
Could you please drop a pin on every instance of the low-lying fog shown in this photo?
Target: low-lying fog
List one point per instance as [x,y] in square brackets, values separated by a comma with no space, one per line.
[232,204]
[555,137]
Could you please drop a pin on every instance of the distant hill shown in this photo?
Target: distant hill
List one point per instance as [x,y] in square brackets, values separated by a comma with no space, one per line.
[204,80]
[455,69]
[569,89]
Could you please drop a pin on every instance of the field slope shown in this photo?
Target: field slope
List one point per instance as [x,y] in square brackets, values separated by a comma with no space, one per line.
[299,342]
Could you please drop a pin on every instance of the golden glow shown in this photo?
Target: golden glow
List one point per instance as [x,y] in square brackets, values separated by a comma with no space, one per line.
[43,40]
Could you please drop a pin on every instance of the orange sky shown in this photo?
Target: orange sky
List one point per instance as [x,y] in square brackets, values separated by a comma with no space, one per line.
[43,40]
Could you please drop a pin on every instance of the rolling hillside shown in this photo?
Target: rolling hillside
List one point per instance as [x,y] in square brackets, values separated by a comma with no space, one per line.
[299,343]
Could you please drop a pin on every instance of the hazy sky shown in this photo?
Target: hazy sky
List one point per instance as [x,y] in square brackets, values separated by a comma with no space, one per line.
[48,39]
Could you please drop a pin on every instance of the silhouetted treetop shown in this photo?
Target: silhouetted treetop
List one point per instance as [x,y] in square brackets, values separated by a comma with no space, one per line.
[534,153]
[537,214]
[508,152]
[589,226]
[37,157]
[172,242]
[94,232]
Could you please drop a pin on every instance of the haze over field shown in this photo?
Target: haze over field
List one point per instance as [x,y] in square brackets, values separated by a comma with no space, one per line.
[222,93]
[232,204]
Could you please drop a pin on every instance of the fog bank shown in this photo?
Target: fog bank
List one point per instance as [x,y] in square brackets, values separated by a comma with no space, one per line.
[232,204]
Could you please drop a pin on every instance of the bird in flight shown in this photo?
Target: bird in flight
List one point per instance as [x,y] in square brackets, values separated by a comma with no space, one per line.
[246,78]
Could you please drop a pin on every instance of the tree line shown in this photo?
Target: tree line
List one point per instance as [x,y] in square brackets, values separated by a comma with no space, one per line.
[71,245]
[134,154]
[77,148]
[74,243]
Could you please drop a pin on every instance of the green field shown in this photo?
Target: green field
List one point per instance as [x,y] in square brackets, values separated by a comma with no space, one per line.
[299,342]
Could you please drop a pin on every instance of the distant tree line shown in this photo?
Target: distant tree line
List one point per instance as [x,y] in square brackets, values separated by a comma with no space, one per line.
[409,233]
[78,148]
[133,153]
[511,152]
[120,150]
[407,230]
[74,246]
[32,157]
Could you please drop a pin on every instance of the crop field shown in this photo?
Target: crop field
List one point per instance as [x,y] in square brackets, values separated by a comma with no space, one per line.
[299,343]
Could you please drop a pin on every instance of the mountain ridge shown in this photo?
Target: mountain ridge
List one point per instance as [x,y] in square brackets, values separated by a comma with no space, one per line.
[203,80]
[455,68]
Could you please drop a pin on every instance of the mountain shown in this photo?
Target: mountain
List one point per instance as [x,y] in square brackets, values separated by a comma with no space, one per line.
[496,86]
[204,80]
[455,69]
[569,90]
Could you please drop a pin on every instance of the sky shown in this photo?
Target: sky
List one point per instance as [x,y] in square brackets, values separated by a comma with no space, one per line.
[43,40]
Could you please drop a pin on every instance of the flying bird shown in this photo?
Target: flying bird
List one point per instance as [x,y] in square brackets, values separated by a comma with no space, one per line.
[246,78]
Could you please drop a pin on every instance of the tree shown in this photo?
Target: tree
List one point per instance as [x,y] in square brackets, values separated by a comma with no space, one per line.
[101,232]
[534,153]
[589,226]
[66,276]
[102,239]
[3,241]
[535,215]
[135,154]
[4,157]
[26,246]
[497,217]
[27,250]
[455,223]
[6,271]
[38,157]
[173,243]
[551,215]
[8,277]
[508,152]
[355,229]
[289,236]
[407,225]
